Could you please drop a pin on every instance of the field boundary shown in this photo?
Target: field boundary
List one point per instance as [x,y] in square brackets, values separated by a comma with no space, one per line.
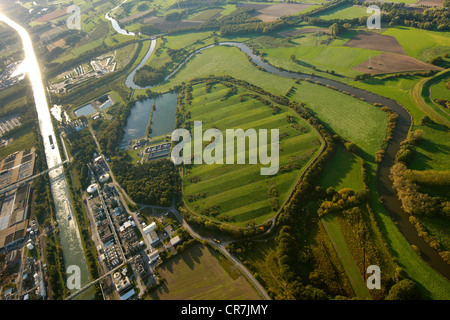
[417,95]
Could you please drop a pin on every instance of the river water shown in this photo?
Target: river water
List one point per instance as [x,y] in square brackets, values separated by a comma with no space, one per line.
[69,234]
[115,24]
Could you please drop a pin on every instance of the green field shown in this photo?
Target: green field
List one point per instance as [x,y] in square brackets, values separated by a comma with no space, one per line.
[433,152]
[205,15]
[441,90]
[343,171]
[319,52]
[239,189]
[429,40]
[199,273]
[355,120]
[222,60]
[343,12]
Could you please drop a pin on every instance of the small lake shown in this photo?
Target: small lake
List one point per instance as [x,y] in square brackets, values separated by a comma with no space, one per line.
[163,118]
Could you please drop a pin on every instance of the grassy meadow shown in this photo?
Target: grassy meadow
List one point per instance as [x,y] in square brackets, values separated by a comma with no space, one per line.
[343,171]
[343,12]
[199,273]
[355,120]
[240,190]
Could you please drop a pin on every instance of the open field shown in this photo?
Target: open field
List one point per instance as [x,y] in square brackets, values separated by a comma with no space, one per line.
[199,273]
[222,60]
[393,63]
[343,12]
[240,191]
[375,41]
[343,171]
[355,120]
[51,15]
[433,152]
[276,11]
[300,31]
[435,3]
[441,90]
[418,49]
[206,15]
[338,58]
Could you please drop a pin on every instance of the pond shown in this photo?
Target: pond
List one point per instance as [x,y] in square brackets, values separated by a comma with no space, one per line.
[163,118]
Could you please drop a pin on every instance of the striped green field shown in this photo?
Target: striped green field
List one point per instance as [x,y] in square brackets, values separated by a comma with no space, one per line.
[240,191]
[353,119]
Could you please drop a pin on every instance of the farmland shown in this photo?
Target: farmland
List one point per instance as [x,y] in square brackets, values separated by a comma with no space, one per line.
[200,273]
[355,120]
[239,190]
[344,12]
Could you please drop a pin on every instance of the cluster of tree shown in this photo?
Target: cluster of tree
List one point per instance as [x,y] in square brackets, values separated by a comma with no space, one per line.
[214,227]
[211,211]
[427,73]
[155,182]
[396,14]
[405,153]
[337,29]
[175,16]
[435,244]
[149,76]
[90,251]
[195,196]
[413,201]
[149,29]
[363,76]
[55,267]
[443,103]
[253,27]
[230,92]
[429,177]
[82,147]
[338,201]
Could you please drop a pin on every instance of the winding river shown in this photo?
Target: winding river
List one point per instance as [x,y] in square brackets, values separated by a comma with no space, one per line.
[391,202]
[115,24]
[72,248]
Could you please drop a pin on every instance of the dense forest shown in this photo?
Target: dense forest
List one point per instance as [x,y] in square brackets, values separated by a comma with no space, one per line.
[155,182]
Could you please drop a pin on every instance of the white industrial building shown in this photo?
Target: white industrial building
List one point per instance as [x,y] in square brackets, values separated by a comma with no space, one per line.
[151,233]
